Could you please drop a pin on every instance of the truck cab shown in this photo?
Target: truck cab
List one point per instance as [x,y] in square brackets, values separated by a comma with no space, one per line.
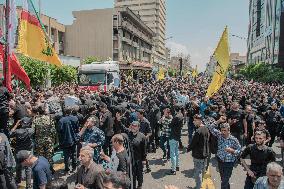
[99,76]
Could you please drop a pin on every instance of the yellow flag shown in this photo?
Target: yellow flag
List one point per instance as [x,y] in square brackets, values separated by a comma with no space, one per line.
[223,60]
[161,74]
[195,72]
[33,41]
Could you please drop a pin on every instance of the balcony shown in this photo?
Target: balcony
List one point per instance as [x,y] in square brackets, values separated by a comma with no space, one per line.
[127,40]
[115,37]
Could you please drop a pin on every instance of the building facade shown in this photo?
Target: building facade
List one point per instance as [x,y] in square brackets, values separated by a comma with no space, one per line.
[56,33]
[116,34]
[210,66]
[237,62]
[266,32]
[168,57]
[153,14]
[175,63]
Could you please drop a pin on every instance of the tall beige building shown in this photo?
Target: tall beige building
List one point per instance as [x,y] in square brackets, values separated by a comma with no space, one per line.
[115,33]
[153,14]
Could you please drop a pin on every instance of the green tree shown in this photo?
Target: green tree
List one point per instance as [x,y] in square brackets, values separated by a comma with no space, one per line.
[172,72]
[36,70]
[91,59]
[64,74]
[263,73]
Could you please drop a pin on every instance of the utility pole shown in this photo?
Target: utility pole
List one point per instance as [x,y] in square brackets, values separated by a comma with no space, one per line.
[48,76]
[180,67]
[6,55]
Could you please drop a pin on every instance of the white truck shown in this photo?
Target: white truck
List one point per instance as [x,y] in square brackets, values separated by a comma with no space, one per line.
[99,76]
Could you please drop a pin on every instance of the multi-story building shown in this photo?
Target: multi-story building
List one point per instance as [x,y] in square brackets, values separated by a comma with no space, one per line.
[210,66]
[56,33]
[266,32]
[168,57]
[115,33]
[153,14]
[237,62]
[175,63]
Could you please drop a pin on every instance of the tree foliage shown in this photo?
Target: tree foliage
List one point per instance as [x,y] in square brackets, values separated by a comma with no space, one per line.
[91,59]
[172,72]
[263,73]
[38,72]
[64,74]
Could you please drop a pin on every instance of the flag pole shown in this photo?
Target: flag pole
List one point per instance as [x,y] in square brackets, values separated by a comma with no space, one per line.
[6,55]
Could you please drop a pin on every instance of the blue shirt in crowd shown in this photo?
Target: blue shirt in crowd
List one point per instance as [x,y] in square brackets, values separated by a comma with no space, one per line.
[41,172]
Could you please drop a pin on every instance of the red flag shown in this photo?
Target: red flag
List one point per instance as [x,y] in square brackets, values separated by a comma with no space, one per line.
[7,77]
[18,71]
[15,69]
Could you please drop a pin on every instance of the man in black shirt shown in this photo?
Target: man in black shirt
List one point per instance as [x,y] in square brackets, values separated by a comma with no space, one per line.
[20,110]
[200,149]
[236,123]
[248,120]
[5,97]
[118,161]
[192,109]
[175,134]
[138,149]
[106,125]
[272,119]
[24,141]
[154,117]
[260,156]
[145,129]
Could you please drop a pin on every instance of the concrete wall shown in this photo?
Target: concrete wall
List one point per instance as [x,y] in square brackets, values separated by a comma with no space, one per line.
[91,34]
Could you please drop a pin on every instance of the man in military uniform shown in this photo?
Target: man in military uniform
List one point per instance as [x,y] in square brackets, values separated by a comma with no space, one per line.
[45,134]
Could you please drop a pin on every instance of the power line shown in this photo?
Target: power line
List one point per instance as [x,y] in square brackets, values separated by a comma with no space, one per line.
[240,37]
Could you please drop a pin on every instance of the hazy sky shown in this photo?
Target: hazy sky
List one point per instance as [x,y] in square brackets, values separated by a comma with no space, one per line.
[195,25]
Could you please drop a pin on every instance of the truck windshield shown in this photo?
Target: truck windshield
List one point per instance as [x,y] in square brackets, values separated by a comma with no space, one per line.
[89,79]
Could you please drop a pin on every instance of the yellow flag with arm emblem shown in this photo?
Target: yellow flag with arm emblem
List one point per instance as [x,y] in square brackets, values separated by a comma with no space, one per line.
[223,61]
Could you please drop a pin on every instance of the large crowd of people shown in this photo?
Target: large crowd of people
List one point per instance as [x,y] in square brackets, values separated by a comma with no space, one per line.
[105,136]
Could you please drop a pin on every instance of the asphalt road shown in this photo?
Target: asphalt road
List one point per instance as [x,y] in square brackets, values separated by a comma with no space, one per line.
[158,178]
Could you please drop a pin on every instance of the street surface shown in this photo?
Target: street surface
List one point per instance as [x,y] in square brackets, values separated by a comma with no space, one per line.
[184,179]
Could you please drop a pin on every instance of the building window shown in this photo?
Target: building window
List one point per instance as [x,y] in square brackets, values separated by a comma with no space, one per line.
[53,35]
[115,57]
[115,44]
[258,18]
[115,32]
